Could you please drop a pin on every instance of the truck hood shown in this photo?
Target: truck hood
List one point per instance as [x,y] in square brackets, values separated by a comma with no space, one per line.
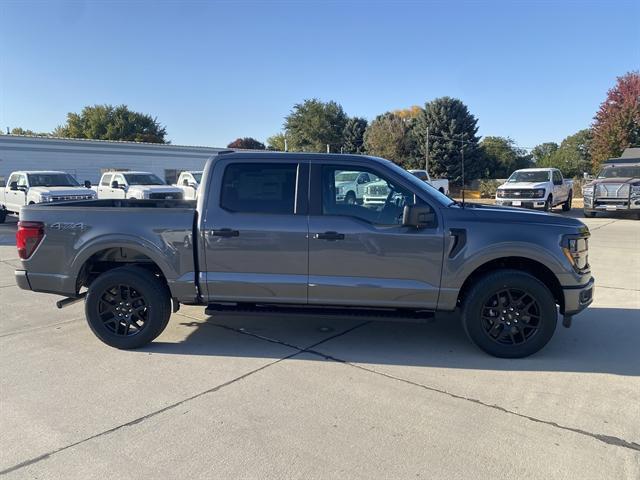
[62,190]
[614,180]
[519,185]
[499,214]
[156,188]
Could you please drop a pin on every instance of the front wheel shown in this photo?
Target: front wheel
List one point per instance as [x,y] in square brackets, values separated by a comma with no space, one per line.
[566,206]
[3,215]
[509,314]
[548,205]
[127,307]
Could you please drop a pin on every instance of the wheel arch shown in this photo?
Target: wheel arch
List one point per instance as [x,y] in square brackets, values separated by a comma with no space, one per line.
[524,264]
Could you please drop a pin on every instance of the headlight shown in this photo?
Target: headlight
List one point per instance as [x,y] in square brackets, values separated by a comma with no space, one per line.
[538,193]
[635,191]
[587,191]
[45,198]
[576,249]
[340,190]
[500,193]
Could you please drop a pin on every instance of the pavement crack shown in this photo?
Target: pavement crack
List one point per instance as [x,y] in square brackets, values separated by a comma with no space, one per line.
[608,439]
[174,405]
[602,226]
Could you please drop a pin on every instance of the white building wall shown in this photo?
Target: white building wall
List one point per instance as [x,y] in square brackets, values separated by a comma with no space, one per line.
[85,159]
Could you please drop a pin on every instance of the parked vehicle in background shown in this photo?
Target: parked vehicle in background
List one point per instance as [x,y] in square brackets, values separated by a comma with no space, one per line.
[616,188]
[441,184]
[136,185]
[270,235]
[189,183]
[536,188]
[350,186]
[29,187]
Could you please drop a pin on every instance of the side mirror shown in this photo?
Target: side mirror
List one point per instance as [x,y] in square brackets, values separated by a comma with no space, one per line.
[587,176]
[418,216]
[13,186]
[87,184]
[115,184]
[185,182]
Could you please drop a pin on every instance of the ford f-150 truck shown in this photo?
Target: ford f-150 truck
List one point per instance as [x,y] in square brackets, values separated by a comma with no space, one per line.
[536,188]
[269,234]
[136,185]
[616,189]
[29,187]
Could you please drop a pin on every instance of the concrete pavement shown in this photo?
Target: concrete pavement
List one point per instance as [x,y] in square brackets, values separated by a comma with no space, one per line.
[251,397]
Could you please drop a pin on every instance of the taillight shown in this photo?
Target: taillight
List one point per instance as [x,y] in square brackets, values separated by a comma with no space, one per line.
[28,237]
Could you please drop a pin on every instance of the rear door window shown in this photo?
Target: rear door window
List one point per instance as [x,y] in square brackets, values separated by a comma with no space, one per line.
[259,188]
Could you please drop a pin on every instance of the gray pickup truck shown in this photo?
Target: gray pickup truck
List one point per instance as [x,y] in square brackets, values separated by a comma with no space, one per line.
[269,234]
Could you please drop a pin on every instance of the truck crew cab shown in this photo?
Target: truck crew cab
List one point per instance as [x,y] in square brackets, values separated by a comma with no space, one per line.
[271,233]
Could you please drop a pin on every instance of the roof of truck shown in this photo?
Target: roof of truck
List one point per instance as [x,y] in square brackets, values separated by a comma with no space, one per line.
[40,172]
[539,169]
[270,155]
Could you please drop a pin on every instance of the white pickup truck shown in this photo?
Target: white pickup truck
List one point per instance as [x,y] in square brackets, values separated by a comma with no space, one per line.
[29,187]
[136,185]
[350,186]
[441,184]
[536,188]
[189,183]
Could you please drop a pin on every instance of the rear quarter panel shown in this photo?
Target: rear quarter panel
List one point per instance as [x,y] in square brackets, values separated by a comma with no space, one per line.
[74,234]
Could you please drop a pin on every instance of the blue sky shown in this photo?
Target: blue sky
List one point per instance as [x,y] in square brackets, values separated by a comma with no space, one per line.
[213,71]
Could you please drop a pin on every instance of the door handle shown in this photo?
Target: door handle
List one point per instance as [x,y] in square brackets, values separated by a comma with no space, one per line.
[329,236]
[225,232]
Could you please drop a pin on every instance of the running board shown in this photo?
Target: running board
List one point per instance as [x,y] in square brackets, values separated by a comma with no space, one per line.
[373,314]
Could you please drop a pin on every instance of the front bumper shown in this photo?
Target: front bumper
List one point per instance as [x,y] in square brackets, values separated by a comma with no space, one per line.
[578,298]
[529,203]
[631,204]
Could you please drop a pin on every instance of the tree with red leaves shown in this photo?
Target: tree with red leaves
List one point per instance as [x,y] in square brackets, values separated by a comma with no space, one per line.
[617,124]
[247,143]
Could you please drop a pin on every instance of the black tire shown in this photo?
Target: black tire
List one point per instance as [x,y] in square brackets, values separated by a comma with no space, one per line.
[588,214]
[350,199]
[548,205]
[566,206]
[513,330]
[144,317]
[3,215]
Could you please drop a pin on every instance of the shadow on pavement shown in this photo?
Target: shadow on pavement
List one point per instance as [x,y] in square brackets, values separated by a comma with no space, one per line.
[601,340]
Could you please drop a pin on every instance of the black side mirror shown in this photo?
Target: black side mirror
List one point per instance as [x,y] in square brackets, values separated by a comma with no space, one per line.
[418,216]
[185,182]
[13,186]
[115,184]
[87,184]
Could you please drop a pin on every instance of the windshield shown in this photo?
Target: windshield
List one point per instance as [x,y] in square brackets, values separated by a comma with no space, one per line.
[52,180]
[347,176]
[197,176]
[522,176]
[620,171]
[421,186]
[143,179]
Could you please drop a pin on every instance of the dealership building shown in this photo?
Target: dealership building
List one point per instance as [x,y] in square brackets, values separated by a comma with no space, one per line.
[88,159]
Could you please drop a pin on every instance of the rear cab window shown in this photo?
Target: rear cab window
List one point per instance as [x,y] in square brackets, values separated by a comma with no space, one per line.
[267,188]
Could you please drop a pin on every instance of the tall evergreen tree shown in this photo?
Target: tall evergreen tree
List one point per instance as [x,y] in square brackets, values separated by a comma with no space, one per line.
[617,124]
[450,126]
[389,136]
[353,135]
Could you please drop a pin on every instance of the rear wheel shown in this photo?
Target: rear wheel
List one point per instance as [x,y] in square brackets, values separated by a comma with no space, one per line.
[127,307]
[566,206]
[509,314]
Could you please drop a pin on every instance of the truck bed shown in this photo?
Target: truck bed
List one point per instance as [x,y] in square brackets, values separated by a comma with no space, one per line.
[96,232]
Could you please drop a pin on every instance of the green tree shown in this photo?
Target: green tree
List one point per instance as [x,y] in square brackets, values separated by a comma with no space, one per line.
[247,143]
[450,125]
[573,156]
[389,136]
[22,131]
[276,142]
[617,123]
[541,152]
[353,135]
[502,156]
[313,124]
[106,122]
